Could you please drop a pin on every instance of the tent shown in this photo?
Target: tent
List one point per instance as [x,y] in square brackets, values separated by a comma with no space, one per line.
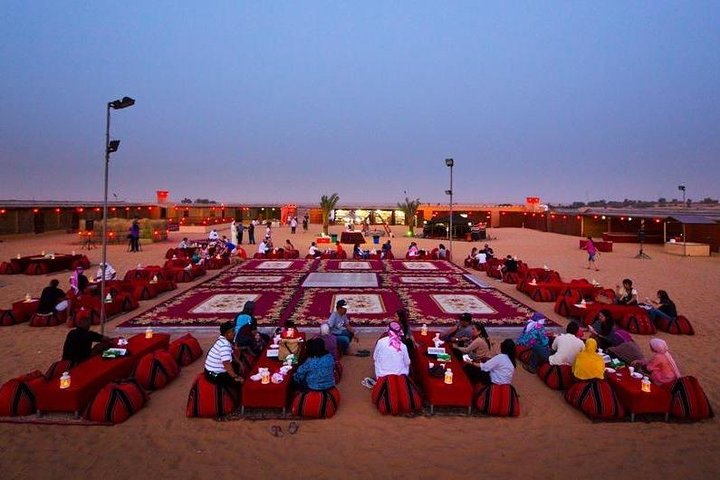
[438,227]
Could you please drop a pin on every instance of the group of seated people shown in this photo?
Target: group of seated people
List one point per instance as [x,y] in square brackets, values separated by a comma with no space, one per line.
[661,308]
[53,299]
[315,252]
[586,357]
[479,256]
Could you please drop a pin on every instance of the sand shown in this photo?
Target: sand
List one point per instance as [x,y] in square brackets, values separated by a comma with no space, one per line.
[548,440]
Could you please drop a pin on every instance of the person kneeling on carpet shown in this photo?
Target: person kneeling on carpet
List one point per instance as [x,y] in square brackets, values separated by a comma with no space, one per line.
[219,367]
[79,341]
[498,370]
[317,372]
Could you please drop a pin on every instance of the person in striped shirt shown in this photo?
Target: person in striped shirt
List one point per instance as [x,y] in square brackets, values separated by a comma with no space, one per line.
[219,367]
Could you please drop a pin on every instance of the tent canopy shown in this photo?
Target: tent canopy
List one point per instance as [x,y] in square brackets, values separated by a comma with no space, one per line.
[438,227]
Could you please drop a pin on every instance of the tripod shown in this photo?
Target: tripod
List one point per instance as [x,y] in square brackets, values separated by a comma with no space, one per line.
[641,237]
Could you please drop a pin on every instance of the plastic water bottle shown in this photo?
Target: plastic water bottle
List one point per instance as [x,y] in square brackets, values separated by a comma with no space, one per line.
[65,380]
[646,384]
[449,376]
[423,330]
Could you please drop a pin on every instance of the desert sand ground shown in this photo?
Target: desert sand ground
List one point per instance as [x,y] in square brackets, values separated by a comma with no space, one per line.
[548,440]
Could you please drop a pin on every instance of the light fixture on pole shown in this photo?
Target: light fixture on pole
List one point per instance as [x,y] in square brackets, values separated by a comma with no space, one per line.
[449,162]
[682,189]
[110,147]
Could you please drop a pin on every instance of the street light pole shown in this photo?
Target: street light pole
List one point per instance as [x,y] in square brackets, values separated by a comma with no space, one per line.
[449,162]
[109,148]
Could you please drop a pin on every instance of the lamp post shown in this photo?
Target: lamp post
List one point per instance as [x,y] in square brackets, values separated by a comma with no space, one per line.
[682,189]
[110,147]
[449,162]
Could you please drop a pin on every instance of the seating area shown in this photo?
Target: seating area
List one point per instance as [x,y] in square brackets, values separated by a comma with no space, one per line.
[43,263]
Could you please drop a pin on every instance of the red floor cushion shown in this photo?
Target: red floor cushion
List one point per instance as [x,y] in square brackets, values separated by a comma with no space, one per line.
[596,399]
[48,319]
[543,295]
[557,377]
[679,326]
[689,401]
[185,350]
[316,404]
[36,269]
[156,369]
[57,368]
[16,397]
[7,318]
[497,400]
[396,395]
[207,399]
[639,323]
[511,277]
[7,268]
[561,306]
[116,402]
[523,353]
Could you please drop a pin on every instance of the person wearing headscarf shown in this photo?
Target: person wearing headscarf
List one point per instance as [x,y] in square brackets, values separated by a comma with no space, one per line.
[661,367]
[329,340]
[391,354]
[78,281]
[589,364]
[534,336]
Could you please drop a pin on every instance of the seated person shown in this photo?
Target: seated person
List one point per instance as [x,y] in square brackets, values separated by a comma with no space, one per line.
[289,245]
[442,252]
[339,251]
[213,236]
[249,339]
[534,336]
[663,308]
[471,260]
[196,256]
[78,281]
[662,367]
[461,333]
[487,251]
[79,341]
[317,372]
[391,355]
[339,324]
[184,243]
[479,349]
[329,340]
[359,252]
[626,295]
[52,299]
[566,346]
[219,366]
[498,370]
[588,363]
[413,250]
[245,317]
[263,247]
[314,251]
[110,273]
[386,248]
[510,264]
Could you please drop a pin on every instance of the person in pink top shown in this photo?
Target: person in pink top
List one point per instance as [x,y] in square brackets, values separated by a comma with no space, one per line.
[662,367]
[592,252]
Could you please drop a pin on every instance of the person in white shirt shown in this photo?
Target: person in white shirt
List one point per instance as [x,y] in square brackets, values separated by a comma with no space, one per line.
[391,355]
[213,235]
[110,272]
[219,367]
[499,369]
[566,346]
[184,243]
[481,257]
[263,247]
[313,251]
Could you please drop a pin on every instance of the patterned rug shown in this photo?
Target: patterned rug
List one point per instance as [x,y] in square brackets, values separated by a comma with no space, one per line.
[434,292]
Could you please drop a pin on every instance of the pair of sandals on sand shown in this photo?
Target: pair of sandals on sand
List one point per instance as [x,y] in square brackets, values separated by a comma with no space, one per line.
[362,353]
[277,431]
[368,382]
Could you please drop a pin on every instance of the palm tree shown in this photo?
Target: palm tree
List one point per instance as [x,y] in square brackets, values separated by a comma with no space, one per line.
[410,208]
[327,205]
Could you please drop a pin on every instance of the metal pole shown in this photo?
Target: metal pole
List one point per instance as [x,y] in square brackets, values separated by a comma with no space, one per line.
[451,210]
[104,225]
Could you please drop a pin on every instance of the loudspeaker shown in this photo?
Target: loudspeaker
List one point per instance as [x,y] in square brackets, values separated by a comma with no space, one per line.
[89,225]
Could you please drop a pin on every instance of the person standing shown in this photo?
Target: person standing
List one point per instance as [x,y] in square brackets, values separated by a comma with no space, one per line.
[592,252]
[135,236]
[233,232]
[251,233]
[293,225]
[306,221]
[240,229]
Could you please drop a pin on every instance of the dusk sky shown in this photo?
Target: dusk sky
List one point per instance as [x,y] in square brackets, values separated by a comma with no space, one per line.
[242,101]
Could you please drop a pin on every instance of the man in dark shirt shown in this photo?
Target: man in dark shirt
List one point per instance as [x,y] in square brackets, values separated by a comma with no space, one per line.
[52,299]
[78,345]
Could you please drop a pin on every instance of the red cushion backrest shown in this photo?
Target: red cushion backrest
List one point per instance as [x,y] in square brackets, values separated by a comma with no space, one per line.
[596,399]
[498,400]
[207,399]
[316,404]
[689,401]
[116,402]
[396,395]
[557,377]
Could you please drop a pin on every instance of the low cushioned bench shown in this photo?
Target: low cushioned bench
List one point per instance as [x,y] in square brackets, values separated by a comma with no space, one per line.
[90,376]
[185,350]
[52,319]
[116,402]
[497,400]
[316,404]
[689,401]
[596,399]
[207,399]
[396,395]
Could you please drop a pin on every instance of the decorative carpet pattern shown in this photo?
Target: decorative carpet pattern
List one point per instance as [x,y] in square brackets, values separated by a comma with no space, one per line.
[434,292]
